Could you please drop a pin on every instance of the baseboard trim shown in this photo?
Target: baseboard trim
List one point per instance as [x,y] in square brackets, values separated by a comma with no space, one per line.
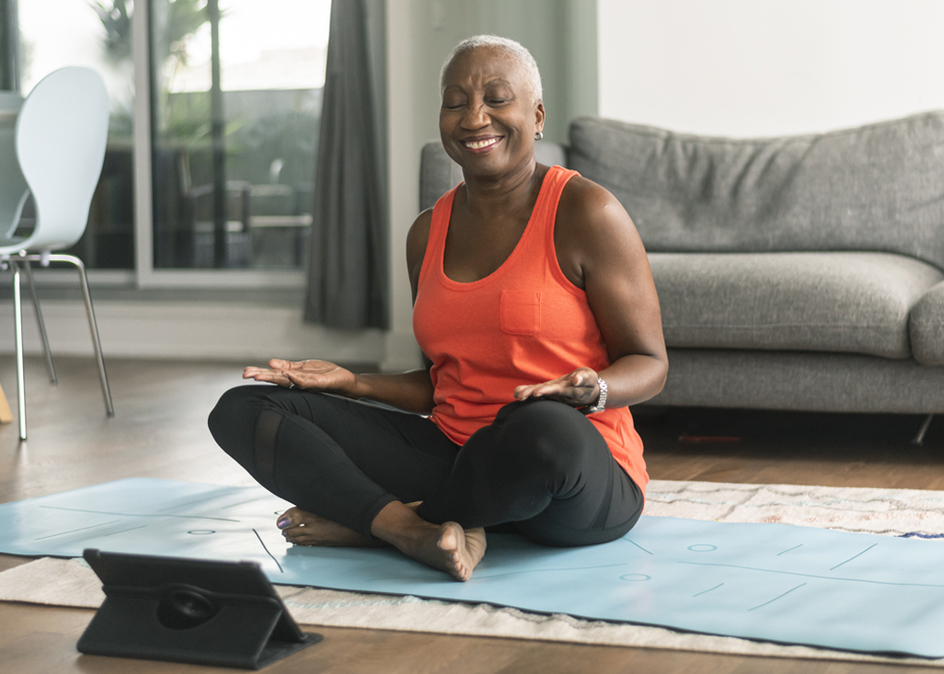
[249,332]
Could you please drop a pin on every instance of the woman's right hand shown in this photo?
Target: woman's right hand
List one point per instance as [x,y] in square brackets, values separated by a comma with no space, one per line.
[319,375]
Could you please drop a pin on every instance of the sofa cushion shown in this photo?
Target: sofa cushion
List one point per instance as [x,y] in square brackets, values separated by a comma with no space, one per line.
[927,327]
[875,188]
[846,302]
[795,380]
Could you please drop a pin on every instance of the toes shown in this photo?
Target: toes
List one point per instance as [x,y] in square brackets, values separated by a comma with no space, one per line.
[295,530]
[287,519]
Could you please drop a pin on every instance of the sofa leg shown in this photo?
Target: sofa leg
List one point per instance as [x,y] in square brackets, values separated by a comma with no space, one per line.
[919,438]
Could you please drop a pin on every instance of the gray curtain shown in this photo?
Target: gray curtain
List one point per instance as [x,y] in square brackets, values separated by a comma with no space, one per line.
[347,276]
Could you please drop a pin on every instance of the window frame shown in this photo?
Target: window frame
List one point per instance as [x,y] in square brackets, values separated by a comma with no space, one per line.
[144,275]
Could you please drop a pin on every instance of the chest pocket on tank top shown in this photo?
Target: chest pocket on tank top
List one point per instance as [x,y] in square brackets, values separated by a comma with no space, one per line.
[520,312]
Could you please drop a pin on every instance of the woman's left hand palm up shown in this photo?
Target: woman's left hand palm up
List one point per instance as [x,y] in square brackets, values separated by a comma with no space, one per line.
[577,388]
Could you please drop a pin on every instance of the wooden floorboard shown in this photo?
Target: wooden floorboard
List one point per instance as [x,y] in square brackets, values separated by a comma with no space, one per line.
[160,431]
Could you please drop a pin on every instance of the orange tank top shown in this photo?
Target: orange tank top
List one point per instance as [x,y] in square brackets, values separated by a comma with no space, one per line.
[525,323]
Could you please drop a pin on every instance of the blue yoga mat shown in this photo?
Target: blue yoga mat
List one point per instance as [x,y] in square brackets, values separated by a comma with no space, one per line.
[773,582]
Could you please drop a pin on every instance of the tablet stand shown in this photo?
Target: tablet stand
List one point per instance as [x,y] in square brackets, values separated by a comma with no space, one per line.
[179,621]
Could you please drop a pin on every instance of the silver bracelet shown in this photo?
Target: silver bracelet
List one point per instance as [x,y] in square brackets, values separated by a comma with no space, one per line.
[600,404]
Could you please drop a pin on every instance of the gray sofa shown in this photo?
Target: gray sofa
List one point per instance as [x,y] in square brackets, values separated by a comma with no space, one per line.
[794,273]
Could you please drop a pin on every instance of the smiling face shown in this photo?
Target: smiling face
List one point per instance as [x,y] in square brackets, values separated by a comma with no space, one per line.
[489,114]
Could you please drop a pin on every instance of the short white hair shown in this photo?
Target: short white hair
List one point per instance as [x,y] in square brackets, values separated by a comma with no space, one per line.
[515,51]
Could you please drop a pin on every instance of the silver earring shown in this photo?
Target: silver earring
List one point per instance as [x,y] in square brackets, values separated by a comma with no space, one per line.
[539,135]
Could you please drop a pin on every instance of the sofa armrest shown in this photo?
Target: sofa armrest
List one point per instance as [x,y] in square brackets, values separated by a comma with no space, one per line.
[926,327]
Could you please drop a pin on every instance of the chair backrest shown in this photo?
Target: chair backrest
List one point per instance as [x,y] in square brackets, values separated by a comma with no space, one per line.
[13,190]
[61,134]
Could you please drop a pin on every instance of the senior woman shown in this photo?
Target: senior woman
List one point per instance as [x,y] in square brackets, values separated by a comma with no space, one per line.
[535,309]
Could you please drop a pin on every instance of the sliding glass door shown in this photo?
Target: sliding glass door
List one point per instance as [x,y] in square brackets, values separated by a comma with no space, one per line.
[230,120]
[236,108]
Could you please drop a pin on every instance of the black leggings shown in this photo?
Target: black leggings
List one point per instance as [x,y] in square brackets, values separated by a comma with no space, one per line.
[540,465]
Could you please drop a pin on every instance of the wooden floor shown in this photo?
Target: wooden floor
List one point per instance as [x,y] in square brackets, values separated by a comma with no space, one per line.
[159,431]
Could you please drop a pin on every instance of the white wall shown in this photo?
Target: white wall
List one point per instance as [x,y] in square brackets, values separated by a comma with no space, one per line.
[746,68]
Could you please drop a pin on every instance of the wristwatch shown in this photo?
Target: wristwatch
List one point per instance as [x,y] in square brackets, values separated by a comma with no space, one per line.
[600,404]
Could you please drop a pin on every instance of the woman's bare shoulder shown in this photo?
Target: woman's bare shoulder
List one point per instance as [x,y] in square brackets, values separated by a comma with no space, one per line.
[416,241]
[592,225]
[419,230]
[586,203]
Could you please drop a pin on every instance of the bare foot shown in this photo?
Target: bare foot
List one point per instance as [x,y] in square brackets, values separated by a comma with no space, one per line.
[463,548]
[304,528]
[447,547]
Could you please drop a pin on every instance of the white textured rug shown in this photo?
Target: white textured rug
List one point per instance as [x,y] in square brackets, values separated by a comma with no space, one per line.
[891,512]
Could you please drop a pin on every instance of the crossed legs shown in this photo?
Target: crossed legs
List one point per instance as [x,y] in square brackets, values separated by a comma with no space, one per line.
[351,469]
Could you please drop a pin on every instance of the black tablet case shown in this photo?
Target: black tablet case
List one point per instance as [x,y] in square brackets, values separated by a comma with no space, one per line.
[188,610]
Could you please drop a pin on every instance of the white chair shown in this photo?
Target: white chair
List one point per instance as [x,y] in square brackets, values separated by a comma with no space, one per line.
[14,193]
[61,133]
[13,189]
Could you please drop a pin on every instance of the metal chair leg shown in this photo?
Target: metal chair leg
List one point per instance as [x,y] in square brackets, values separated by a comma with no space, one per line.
[919,438]
[50,366]
[93,326]
[18,333]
